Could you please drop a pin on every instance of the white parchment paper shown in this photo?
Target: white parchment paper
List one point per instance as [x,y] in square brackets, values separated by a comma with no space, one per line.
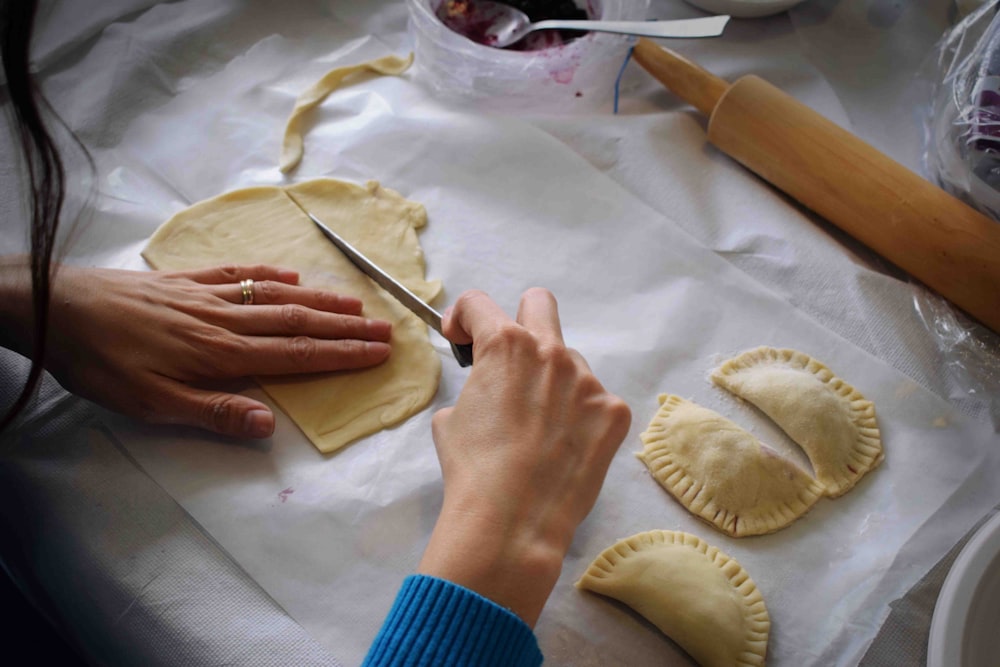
[510,206]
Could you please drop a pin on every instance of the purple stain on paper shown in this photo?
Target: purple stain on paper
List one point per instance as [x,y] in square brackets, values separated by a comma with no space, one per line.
[283,495]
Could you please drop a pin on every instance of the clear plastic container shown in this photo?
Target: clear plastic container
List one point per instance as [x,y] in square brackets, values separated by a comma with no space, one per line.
[577,76]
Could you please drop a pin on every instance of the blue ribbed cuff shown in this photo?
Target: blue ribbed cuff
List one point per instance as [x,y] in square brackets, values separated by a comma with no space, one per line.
[436,622]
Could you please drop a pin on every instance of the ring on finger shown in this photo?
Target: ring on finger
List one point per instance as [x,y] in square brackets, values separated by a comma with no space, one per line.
[246,287]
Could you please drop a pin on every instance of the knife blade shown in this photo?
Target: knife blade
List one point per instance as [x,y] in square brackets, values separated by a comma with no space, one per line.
[463,353]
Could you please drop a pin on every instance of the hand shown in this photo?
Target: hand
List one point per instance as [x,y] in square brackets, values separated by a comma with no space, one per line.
[147,344]
[523,453]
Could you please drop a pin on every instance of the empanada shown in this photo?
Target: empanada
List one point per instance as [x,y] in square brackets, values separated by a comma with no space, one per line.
[833,423]
[722,473]
[694,593]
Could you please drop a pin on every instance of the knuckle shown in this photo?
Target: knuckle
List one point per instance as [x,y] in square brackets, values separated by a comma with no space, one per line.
[469,297]
[509,337]
[618,411]
[266,291]
[555,354]
[230,271]
[350,347]
[327,300]
[302,349]
[591,386]
[219,413]
[294,317]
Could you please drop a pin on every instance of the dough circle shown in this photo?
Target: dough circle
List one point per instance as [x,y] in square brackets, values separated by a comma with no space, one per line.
[263,225]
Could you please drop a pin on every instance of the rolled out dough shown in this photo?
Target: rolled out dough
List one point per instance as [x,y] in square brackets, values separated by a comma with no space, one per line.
[264,225]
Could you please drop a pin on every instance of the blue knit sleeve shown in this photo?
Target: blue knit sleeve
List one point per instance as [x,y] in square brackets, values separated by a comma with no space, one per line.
[436,622]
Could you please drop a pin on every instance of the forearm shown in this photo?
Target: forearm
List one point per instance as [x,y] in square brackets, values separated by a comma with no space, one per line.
[16,306]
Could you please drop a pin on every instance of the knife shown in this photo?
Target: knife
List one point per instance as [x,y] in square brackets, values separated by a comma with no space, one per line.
[463,353]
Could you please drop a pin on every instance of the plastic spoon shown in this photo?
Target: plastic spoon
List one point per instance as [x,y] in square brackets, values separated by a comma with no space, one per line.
[499,25]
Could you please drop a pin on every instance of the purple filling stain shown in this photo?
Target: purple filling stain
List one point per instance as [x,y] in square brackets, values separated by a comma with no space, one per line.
[283,495]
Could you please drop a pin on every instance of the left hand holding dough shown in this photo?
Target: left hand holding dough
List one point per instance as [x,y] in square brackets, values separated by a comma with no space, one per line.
[263,225]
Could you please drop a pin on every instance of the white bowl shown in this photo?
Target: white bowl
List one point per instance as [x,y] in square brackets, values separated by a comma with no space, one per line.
[967,614]
[745,9]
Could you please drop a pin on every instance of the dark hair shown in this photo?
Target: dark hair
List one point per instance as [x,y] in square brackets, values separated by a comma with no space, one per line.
[46,176]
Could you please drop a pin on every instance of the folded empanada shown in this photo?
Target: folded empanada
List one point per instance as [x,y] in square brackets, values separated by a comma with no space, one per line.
[722,473]
[694,593]
[833,423]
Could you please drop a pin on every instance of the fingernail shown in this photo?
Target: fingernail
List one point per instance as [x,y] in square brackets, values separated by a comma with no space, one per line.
[258,423]
[288,276]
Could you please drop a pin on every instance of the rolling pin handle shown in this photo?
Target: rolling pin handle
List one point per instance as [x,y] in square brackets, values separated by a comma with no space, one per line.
[692,83]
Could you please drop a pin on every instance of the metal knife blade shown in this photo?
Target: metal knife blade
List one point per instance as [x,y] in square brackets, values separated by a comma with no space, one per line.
[463,353]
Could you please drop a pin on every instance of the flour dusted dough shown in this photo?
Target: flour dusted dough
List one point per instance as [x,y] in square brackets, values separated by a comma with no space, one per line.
[695,594]
[291,147]
[263,225]
[833,423]
[723,474]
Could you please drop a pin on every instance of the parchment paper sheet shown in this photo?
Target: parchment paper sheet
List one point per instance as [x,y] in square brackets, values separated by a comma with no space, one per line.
[510,206]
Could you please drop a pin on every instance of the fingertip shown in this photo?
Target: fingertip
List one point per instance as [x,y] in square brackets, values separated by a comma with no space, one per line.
[288,276]
[350,305]
[377,351]
[379,330]
[258,423]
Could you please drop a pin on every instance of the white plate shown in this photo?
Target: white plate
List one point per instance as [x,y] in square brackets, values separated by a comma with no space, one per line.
[745,8]
[967,614]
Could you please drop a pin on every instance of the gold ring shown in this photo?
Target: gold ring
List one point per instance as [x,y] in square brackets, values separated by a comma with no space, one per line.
[247,288]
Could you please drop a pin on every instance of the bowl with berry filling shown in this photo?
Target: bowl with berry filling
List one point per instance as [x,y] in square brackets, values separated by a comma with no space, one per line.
[548,71]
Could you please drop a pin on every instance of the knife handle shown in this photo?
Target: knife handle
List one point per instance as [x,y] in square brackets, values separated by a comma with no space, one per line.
[463,353]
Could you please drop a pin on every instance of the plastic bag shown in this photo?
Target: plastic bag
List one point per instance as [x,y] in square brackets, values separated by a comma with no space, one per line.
[962,127]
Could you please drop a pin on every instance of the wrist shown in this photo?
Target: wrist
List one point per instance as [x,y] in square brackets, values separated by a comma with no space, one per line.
[496,558]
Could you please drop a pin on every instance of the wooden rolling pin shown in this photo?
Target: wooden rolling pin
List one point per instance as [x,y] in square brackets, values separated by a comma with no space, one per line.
[916,225]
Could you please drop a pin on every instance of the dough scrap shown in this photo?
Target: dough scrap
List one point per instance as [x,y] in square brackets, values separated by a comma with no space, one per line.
[263,225]
[292,146]
[695,594]
[723,474]
[829,419]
